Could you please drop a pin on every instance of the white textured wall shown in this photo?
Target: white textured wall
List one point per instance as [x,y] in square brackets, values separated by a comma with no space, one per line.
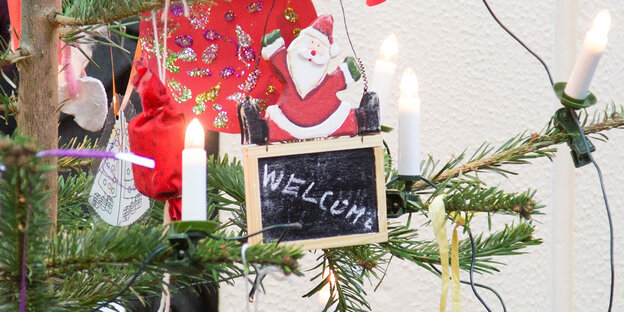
[477,84]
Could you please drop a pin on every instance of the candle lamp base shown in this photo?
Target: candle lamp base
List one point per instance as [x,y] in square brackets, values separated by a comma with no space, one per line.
[570,102]
[400,202]
[184,239]
[580,146]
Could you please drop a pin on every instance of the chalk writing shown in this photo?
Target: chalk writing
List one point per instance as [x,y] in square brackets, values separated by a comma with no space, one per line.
[329,193]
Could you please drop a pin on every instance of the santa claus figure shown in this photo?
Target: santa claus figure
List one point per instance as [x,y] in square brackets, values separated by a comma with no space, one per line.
[309,107]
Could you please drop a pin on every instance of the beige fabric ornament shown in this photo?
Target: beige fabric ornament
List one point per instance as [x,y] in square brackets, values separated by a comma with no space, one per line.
[89,108]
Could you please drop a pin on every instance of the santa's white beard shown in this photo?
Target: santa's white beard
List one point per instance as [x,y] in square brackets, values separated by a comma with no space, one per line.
[305,74]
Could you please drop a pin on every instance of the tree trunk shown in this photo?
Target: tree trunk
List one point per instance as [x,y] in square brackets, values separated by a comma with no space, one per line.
[38,84]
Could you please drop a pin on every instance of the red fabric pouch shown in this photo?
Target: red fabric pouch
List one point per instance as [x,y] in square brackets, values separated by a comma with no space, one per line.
[158,133]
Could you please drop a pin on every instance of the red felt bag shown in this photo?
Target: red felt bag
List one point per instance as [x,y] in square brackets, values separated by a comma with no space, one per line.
[158,133]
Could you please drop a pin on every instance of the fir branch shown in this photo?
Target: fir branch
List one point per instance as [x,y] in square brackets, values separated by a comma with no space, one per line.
[519,150]
[71,163]
[226,189]
[9,57]
[91,12]
[73,195]
[347,288]
[403,244]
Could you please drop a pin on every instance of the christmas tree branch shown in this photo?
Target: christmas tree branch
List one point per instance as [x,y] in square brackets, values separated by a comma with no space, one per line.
[12,57]
[92,12]
[522,148]
[403,244]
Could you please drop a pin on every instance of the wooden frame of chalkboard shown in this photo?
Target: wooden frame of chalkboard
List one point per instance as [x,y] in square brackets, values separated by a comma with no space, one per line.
[334,187]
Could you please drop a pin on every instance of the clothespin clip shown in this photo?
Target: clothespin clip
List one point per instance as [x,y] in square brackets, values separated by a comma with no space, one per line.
[579,144]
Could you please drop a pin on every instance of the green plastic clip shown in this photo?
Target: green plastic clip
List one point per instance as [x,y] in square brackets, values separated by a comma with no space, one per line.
[581,147]
[184,239]
[398,201]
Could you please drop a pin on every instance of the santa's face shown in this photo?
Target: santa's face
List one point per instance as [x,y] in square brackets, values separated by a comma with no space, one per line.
[308,59]
[314,50]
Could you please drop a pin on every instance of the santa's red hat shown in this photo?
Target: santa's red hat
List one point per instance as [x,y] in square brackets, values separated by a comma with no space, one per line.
[322,29]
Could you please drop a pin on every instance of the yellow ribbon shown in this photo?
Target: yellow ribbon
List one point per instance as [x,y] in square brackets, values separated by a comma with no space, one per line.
[457,307]
[437,214]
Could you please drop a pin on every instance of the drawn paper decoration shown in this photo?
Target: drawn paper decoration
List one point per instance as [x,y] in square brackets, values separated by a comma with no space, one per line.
[114,196]
[211,55]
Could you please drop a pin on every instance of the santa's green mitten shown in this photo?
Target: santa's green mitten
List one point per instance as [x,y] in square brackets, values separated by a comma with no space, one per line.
[354,68]
[271,37]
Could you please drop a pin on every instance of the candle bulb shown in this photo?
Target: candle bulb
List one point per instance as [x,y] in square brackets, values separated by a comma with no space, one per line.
[409,125]
[325,292]
[593,46]
[194,174]
[383,76]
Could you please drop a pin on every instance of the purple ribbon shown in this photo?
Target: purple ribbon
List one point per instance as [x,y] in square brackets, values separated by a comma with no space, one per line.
[77,153]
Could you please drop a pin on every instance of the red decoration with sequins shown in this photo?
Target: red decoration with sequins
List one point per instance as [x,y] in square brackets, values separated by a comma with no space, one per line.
[211,55]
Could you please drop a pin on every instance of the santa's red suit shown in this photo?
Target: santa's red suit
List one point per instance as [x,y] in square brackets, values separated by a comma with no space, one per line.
[319,113]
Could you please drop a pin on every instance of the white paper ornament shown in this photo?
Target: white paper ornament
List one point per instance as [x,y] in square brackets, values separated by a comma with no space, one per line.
[114,196]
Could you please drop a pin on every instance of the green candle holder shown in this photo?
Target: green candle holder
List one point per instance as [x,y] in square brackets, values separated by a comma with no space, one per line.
[397,201]
[184,239]
[573,103]
[580,146]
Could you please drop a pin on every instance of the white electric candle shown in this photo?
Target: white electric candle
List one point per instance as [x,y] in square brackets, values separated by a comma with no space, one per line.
[194,174]
[593,47]
[383,76]
[325,292]
[409,125]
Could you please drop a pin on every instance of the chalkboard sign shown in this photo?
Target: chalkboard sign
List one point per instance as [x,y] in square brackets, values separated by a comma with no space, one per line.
[334,188]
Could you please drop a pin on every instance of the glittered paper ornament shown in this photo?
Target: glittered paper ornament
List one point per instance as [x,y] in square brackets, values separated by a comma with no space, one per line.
[220,45]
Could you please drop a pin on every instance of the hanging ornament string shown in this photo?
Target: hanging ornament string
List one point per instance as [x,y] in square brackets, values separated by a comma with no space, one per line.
[115,108]
[165,18]
[258,57]
[359,60]
[156,44]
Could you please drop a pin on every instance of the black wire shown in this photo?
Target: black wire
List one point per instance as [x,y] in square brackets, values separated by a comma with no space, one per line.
[604,196]
[266,24]
[133,279]
[500,298]
[472,264]
[550,78]
[295,225]
[429,182]
[360,63]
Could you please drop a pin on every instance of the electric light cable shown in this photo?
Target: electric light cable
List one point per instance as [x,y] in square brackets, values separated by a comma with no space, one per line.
[472,265]
[133,279]
[606,201]
[289,226]
[550,78]
[477,285]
